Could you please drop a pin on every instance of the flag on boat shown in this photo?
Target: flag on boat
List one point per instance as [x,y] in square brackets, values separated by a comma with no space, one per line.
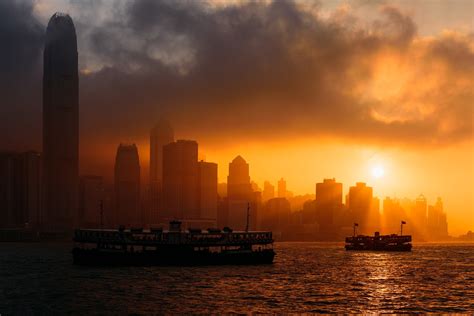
[355,224]
[403,222]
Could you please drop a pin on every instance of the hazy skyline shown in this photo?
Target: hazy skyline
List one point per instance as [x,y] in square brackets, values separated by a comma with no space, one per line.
[304,90]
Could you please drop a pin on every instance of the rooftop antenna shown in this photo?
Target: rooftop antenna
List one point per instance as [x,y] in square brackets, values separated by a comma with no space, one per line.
[248,217]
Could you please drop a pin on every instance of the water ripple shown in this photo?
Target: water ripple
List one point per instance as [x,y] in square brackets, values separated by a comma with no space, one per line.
[306,277]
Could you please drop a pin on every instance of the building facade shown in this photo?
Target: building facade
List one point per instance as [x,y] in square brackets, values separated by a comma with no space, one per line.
[60,124]
[180,180]
[20,190]
[91,202]
[268,191]
[282,188]
[162,134]
[207,186]
[238,180]
[360,205]
[328,202]
[127,186]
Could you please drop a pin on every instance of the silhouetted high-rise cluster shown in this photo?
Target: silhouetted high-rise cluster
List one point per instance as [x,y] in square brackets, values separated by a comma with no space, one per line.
[20,190]
[44,191]
[180,187]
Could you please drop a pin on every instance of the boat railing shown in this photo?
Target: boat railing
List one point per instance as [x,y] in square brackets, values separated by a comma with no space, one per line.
[382,238]
[127,237]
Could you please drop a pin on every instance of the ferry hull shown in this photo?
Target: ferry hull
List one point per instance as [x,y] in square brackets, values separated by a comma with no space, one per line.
[379,242]
[97,257]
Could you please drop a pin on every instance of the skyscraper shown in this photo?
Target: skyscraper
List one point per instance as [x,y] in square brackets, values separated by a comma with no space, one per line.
[162,134]
[437,221]
[91,199]
[127,185]
[328,201]
[60,124]
[238,180]
[208,190]
[20,190]
[276,214]
[360,203]
[180,180]
[268,191]
[240,195]
[419,211]
[329,193]
[281,188]
[393,213]
[31,188]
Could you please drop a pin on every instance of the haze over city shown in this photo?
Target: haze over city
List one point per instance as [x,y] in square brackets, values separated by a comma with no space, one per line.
[358,91]
[236,157]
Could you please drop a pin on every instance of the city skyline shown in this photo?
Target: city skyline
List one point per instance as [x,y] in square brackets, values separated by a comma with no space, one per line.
[236,157]
[345,187]
[180,186]
[186,185]
[373,127]
[190,193]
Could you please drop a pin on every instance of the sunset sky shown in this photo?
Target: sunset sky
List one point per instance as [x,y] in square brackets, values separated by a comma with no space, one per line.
[375,91]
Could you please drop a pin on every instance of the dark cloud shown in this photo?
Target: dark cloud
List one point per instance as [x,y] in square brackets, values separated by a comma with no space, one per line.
[396,27]
[21,38]
[258,70]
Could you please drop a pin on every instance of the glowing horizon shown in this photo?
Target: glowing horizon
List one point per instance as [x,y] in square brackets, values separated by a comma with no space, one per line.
[301,91]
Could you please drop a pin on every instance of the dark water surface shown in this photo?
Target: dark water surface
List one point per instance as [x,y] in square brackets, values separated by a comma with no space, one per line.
[306,277]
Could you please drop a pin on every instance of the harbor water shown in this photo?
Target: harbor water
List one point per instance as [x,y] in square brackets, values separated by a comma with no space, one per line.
[37,278]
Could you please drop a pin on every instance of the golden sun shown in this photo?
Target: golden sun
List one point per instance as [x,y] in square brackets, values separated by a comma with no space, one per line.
[378,172]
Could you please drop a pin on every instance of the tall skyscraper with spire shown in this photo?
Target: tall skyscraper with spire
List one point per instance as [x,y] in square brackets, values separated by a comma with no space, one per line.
[60,124]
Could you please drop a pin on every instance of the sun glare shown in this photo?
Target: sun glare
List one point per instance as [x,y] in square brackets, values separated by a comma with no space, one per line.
[378,172]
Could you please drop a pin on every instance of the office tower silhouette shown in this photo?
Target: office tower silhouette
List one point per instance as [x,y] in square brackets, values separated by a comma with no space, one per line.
[393,213]
[281,188]
[60,124]
[127,186]
[240,195]
[268,191]
[161,134]
[360,204]
[20,190]
[276,215]
[238,180]
[375,218]
[420,210]
[207,186]
[31,171]
[328,202]
[180,180]
[91,201]
[437,221]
